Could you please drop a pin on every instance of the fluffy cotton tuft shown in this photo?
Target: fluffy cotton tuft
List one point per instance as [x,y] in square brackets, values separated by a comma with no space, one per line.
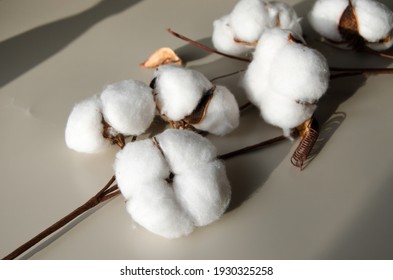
[223,38]
[374,19]
[222,114]
[84,127]
[178,90]
[128,106]
[285,80]
[238,32]
[196,195]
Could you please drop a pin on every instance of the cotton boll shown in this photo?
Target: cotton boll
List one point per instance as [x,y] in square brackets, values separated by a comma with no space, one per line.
[375,20]
[285,80]
[164,192]
[325,17]
[285,113]
[84,127]
[223,38]
[128,106]
[284,16]
[178,90]
[185,149]
[204,192]
[257,77]
[304,70]
[139,163]
[248,19]
[155,208]
[222,114]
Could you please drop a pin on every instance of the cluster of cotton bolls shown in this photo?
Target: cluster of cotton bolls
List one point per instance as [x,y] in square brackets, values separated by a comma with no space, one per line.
[173,182]
[238,32]
[346,23]
[285,78]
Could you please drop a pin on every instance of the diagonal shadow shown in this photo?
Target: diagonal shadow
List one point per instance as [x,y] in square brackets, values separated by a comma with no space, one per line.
[24,51]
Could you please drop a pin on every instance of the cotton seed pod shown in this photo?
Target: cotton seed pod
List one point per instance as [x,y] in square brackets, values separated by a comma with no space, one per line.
[186,98]
[173,182]
[84,129]
[128,106]
[248,20]
[353,24]
[285,79]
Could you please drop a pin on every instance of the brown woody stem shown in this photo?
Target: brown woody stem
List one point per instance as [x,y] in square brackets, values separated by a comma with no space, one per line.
[349,72]
[377,53]
[104,194]
[252,148]
[206,48]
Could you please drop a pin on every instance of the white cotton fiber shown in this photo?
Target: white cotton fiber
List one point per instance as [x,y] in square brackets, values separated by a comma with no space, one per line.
[325,17]
[374,19]
[305,71]
[284,112]
[185,149]
[155,208]
[284,16]
[222,115]
[128,106]
[196,195]
[84,127]
[138,163]
[223,38]
[178,90]
[285,80]
[248,19]
[375,22]
[203,191]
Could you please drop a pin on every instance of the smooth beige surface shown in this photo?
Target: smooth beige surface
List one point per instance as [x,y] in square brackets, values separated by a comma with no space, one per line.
[55,53]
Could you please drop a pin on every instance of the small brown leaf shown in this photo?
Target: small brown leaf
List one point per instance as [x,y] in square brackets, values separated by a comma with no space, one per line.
[160,57]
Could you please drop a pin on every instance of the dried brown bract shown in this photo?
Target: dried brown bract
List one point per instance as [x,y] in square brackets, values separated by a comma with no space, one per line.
[160,57]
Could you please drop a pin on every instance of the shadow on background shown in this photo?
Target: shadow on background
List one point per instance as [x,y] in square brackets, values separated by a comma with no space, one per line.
[24,51]
[370,233]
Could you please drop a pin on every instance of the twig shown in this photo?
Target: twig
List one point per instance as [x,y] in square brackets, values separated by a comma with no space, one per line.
[206,48]
[252,148]
[104,194]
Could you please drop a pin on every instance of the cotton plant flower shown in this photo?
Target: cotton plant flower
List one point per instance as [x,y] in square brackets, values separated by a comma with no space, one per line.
[285,80]
[124,108]
[186,98]
[353,23]
[173,182]
[238,32]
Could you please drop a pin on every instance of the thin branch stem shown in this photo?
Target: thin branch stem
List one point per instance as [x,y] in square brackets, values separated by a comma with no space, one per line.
[252,148]
[100,197]
[227,75]
[377,53]
[206,48]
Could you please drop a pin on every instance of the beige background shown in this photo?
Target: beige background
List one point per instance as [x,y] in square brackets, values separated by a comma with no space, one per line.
[55,53]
